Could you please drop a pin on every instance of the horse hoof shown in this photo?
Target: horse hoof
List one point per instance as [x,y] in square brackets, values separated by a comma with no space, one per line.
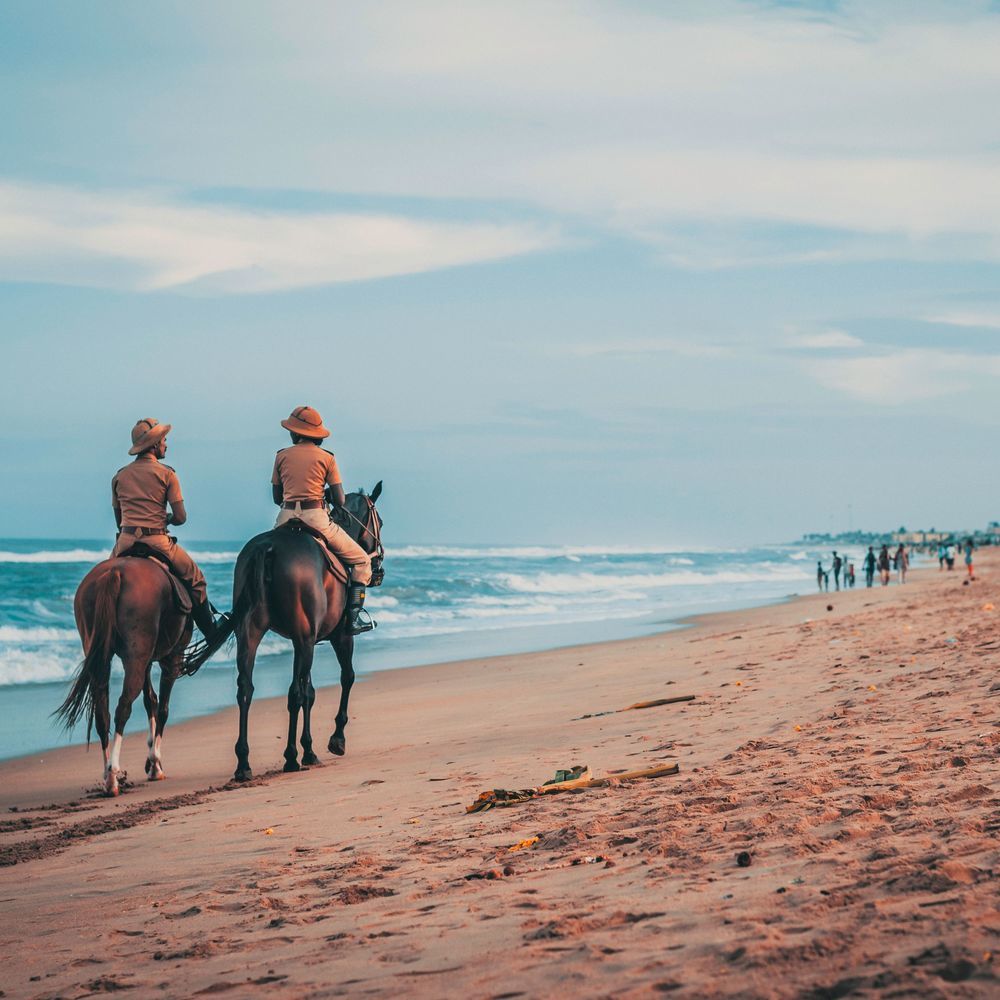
[111,785]
[243,775]
[291,765]
[155,774]
[337,746]
[310,759]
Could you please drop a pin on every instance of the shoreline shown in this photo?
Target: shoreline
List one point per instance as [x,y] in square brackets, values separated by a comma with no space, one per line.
[851,754]
[528,640]
[650,629]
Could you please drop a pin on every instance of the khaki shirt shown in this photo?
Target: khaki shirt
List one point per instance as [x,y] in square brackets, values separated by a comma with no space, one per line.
[303,470]
[142,491]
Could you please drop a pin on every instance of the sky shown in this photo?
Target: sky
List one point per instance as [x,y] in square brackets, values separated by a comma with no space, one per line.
[568,271]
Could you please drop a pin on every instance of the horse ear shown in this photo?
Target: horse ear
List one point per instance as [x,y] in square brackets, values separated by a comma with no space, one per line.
[377,492]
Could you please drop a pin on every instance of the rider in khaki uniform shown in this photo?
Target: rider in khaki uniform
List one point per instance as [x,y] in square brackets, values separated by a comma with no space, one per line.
[140,493]
[304,476]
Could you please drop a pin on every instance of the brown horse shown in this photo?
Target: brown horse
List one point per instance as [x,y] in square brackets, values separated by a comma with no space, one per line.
[282,584]
[126,607]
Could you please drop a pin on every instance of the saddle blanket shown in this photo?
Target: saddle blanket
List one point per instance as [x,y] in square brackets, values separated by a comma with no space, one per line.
[182,596]
[336,567]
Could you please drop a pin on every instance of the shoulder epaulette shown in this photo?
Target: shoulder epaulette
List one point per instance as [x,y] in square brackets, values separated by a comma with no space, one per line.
[330,453]
[170,467]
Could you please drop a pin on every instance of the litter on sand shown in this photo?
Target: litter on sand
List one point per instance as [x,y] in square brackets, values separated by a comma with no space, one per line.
[655,703]
[511,797]
[523,845]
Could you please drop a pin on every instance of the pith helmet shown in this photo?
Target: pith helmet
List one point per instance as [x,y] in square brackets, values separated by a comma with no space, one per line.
[146,433]
[306,421]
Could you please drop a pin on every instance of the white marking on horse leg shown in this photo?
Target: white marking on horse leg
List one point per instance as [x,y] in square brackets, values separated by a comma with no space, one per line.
[154,766]
[152,735]
[111,770]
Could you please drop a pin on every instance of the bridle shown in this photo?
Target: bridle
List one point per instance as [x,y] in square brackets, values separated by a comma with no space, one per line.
[375,530]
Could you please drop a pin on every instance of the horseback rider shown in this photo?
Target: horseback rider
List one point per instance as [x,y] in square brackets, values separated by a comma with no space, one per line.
[140,493]
[305,477]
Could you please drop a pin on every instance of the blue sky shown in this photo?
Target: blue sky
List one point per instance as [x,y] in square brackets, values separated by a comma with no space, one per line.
[693,273]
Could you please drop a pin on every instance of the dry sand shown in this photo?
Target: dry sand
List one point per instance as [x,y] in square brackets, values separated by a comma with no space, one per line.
[851,753]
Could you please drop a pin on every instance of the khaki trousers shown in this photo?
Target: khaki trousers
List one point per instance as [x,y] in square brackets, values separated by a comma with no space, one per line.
[184,565]
[338,539]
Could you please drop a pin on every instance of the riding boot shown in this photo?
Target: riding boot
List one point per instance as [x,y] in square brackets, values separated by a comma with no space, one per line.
[204,618]
[358,619]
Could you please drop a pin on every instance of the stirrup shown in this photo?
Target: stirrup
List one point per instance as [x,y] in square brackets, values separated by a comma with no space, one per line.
[361,622]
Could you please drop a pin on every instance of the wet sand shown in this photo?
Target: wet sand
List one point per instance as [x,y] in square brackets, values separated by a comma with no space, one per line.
[849,755]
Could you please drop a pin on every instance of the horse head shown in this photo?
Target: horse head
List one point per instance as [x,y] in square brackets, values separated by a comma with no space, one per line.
[359,518]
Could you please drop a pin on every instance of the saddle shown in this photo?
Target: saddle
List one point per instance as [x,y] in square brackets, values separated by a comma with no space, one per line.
[182,596]
[337,568]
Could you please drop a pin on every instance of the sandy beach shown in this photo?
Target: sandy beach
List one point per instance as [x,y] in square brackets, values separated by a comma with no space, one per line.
[849,755]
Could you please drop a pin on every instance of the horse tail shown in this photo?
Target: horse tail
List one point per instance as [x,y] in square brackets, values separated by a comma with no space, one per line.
[96,663]
[251,594]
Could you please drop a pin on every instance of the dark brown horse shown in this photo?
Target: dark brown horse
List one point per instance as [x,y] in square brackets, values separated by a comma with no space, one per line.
[282,584]
[126,607]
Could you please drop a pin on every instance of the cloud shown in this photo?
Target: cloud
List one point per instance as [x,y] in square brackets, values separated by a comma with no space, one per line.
[144,242]
[982,320]
[637,348]
[860,118]
[904,376]
[825,340]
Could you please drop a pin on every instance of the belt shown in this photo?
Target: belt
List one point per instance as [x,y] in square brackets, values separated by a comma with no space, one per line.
[129,529]
[303,504]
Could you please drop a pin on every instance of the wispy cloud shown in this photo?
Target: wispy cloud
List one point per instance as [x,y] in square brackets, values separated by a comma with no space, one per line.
[146,242]
[640,347]
[975,319]
[825,340]
[867,120]
[904,376]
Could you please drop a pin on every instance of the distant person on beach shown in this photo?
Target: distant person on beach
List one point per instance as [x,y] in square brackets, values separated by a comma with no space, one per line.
[869,565]
[969,548]
[901,563]
[941,555]
[304,477]
[140,494]
[883,565]
[837,564]
[819,574]
[949,555]
[849,577]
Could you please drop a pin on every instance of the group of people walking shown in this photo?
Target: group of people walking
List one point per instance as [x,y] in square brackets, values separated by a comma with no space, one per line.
[842,568]
[946,555]
[304,480]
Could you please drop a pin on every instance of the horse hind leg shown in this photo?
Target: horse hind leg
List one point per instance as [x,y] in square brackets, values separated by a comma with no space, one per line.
[102,715]
[297,700]
[309,699]
[154,769]
[247,640]
[136,669]
[169,672]
[343,646]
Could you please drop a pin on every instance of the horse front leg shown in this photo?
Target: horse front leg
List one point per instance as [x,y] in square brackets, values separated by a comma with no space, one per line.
[151,704]
[297,699]
[247,641]
[343,646]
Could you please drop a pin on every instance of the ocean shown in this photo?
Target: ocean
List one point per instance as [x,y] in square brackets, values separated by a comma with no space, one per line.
[438,603]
